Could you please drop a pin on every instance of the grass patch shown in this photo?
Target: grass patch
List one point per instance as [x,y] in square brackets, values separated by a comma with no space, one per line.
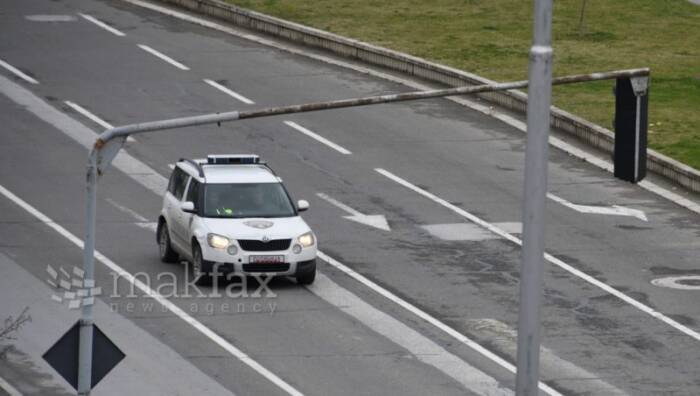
[492,38]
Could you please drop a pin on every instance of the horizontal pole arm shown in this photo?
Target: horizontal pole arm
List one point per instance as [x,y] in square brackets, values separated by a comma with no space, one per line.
[345,103]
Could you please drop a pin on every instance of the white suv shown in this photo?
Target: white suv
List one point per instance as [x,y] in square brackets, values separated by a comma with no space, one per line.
[231,213]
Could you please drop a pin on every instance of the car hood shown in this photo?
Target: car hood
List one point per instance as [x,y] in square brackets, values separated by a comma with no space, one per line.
[257,228]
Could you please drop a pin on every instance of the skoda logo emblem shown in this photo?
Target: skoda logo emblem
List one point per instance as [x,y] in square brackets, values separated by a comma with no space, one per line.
[266,239]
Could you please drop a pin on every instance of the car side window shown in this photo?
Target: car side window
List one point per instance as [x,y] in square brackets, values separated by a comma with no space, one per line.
[193,193]
[178,181]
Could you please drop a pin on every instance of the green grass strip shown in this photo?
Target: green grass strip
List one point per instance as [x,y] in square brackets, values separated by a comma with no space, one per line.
[492,38]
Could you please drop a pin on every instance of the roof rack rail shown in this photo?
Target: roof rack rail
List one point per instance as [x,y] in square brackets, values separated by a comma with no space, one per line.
[195,164]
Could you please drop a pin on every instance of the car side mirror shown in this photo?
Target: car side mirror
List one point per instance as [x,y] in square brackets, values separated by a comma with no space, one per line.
[187,207]
[302,205]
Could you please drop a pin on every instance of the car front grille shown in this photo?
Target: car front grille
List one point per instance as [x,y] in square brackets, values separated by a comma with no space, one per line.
[277,267]
[251,245]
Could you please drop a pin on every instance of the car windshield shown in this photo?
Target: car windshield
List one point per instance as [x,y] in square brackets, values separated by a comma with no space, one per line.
[247,200]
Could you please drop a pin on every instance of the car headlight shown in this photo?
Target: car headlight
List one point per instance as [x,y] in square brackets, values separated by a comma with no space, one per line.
[217,241]
[307,240]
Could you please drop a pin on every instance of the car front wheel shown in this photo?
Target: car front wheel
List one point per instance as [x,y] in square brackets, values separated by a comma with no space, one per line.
[201,269]
[307,275]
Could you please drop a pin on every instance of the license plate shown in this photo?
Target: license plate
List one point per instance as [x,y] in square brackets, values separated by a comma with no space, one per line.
[266,259]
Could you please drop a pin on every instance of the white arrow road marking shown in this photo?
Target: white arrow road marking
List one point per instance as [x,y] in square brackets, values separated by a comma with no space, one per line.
[614,210]
[376,221]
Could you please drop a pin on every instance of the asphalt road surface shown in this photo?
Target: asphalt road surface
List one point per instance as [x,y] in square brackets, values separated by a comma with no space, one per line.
[427,307]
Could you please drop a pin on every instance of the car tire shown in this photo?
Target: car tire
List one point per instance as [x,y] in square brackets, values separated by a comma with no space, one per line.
[308,276]
[165,249]
[201,269]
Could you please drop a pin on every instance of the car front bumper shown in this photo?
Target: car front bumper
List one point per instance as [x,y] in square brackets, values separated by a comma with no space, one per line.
[242,262]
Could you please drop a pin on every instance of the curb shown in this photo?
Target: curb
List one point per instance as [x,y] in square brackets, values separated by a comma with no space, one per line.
[586,131]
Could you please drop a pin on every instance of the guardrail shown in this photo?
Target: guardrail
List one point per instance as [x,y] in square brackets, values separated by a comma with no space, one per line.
[584,130]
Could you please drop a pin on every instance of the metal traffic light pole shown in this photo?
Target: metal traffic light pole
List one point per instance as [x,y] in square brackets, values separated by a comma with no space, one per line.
[534,198]
[111,141]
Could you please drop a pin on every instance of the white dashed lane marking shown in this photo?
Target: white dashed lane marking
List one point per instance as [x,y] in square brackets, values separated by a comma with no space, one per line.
[317,137]
[97,120]
[229,92]
[164,57]
[18,72]
[102,25]
[92,117]
[50,18]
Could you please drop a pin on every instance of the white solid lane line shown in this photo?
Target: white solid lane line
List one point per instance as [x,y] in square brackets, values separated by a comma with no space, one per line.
[102,25]
[421,347]
[318,137]
[97,120]
[18,72]
[428,318]
[561,264]
[163,57]
[228,91]
[240,355]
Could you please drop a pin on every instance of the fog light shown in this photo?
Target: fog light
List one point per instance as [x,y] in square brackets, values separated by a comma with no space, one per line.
[232,250]
[296,249]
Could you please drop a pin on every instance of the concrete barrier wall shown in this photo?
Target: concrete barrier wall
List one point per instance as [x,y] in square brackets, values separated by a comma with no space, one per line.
[586,131]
